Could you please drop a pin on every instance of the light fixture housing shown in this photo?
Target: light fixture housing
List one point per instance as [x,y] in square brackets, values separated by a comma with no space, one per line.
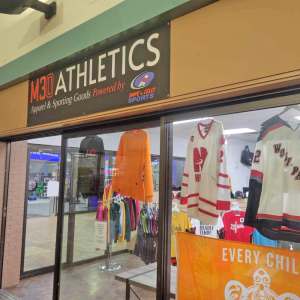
[16,7]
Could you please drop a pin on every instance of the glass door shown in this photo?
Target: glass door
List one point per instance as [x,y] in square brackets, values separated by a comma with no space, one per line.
[110,213]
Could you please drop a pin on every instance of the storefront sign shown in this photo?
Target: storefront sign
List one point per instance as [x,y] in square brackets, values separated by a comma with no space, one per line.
[55,157]
[217,269]
[134,72]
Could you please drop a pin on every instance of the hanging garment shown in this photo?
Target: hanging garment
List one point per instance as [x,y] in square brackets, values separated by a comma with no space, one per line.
[207,230]
[121,218]
[180,223]
[99,214]
[131,210]
[138,209]
[146,241]
[91,183]
[122,224]
[259,239]
[135,214]
[205,180]
[127,222]
[106,204]
[234,227]
[133,166]
[105,214]
[273,203]
[114,221]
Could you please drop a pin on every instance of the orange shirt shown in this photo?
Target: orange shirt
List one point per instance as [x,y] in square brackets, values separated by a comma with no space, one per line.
[133,171]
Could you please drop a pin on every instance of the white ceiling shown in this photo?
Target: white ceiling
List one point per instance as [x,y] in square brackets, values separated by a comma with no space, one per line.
[251,120]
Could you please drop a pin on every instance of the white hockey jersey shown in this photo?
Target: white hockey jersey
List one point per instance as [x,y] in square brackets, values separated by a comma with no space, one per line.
[274,192]
[205,179]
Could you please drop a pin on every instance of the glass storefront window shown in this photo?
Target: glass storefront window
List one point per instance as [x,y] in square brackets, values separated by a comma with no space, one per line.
[235,218]
[43,163]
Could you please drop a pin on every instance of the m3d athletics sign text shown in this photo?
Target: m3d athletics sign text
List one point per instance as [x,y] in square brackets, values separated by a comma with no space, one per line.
[134,72]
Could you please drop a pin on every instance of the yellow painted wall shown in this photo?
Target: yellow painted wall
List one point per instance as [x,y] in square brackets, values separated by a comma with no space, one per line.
[230,48]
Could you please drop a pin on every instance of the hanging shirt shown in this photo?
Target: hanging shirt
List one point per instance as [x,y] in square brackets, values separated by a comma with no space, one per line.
[138,209]
[90,184]
[274,189]
[180,222]
[114,221]
[122,226]
[234,227]
[207,230]
[131,210]
[133,175]
[121,218]
[127,222]
[99,214]
[205,180]
[259,239]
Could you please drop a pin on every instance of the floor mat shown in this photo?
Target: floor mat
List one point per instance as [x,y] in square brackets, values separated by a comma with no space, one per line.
[6,296]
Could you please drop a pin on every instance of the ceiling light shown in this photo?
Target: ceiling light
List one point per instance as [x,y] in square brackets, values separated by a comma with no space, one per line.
[239,130]
[298,118]
[188,121]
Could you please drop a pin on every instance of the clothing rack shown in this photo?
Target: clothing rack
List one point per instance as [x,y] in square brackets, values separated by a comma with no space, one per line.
[111,266]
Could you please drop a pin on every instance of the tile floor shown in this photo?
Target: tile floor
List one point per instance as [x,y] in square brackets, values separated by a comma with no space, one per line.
[41,235]
[83,282]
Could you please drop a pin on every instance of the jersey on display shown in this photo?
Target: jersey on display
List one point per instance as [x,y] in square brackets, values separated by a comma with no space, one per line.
[273,205]
[234,227]
[205,179]
[180,223]
[133,176]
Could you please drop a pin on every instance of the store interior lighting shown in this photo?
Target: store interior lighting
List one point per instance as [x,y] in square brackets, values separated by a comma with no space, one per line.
[189,121]
[239,131]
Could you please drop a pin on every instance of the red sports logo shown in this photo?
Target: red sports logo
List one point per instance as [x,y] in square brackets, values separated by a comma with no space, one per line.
[199,159]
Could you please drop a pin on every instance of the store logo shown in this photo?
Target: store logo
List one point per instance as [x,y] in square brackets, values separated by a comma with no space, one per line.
[142,80]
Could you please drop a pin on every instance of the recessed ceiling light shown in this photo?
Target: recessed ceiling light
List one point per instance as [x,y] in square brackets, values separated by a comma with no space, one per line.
[189,121]
[238,130]
[298,118]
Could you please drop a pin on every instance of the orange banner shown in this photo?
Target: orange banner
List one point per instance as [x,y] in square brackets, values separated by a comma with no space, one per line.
[217,269]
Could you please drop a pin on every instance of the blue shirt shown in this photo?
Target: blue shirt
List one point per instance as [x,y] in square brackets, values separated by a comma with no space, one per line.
[259,239]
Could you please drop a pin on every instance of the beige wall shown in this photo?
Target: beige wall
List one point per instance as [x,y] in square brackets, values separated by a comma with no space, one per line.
[30,29]
[13,107]
[15,213]
[230,48]
[232,42]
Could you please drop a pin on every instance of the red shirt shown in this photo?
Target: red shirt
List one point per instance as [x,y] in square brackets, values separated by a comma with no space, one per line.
[234,227]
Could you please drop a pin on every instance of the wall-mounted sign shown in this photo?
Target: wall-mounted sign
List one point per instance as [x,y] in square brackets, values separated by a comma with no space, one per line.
[134,72]
[44,156]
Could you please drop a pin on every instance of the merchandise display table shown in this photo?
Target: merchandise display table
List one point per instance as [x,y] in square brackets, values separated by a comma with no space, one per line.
[145,278]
